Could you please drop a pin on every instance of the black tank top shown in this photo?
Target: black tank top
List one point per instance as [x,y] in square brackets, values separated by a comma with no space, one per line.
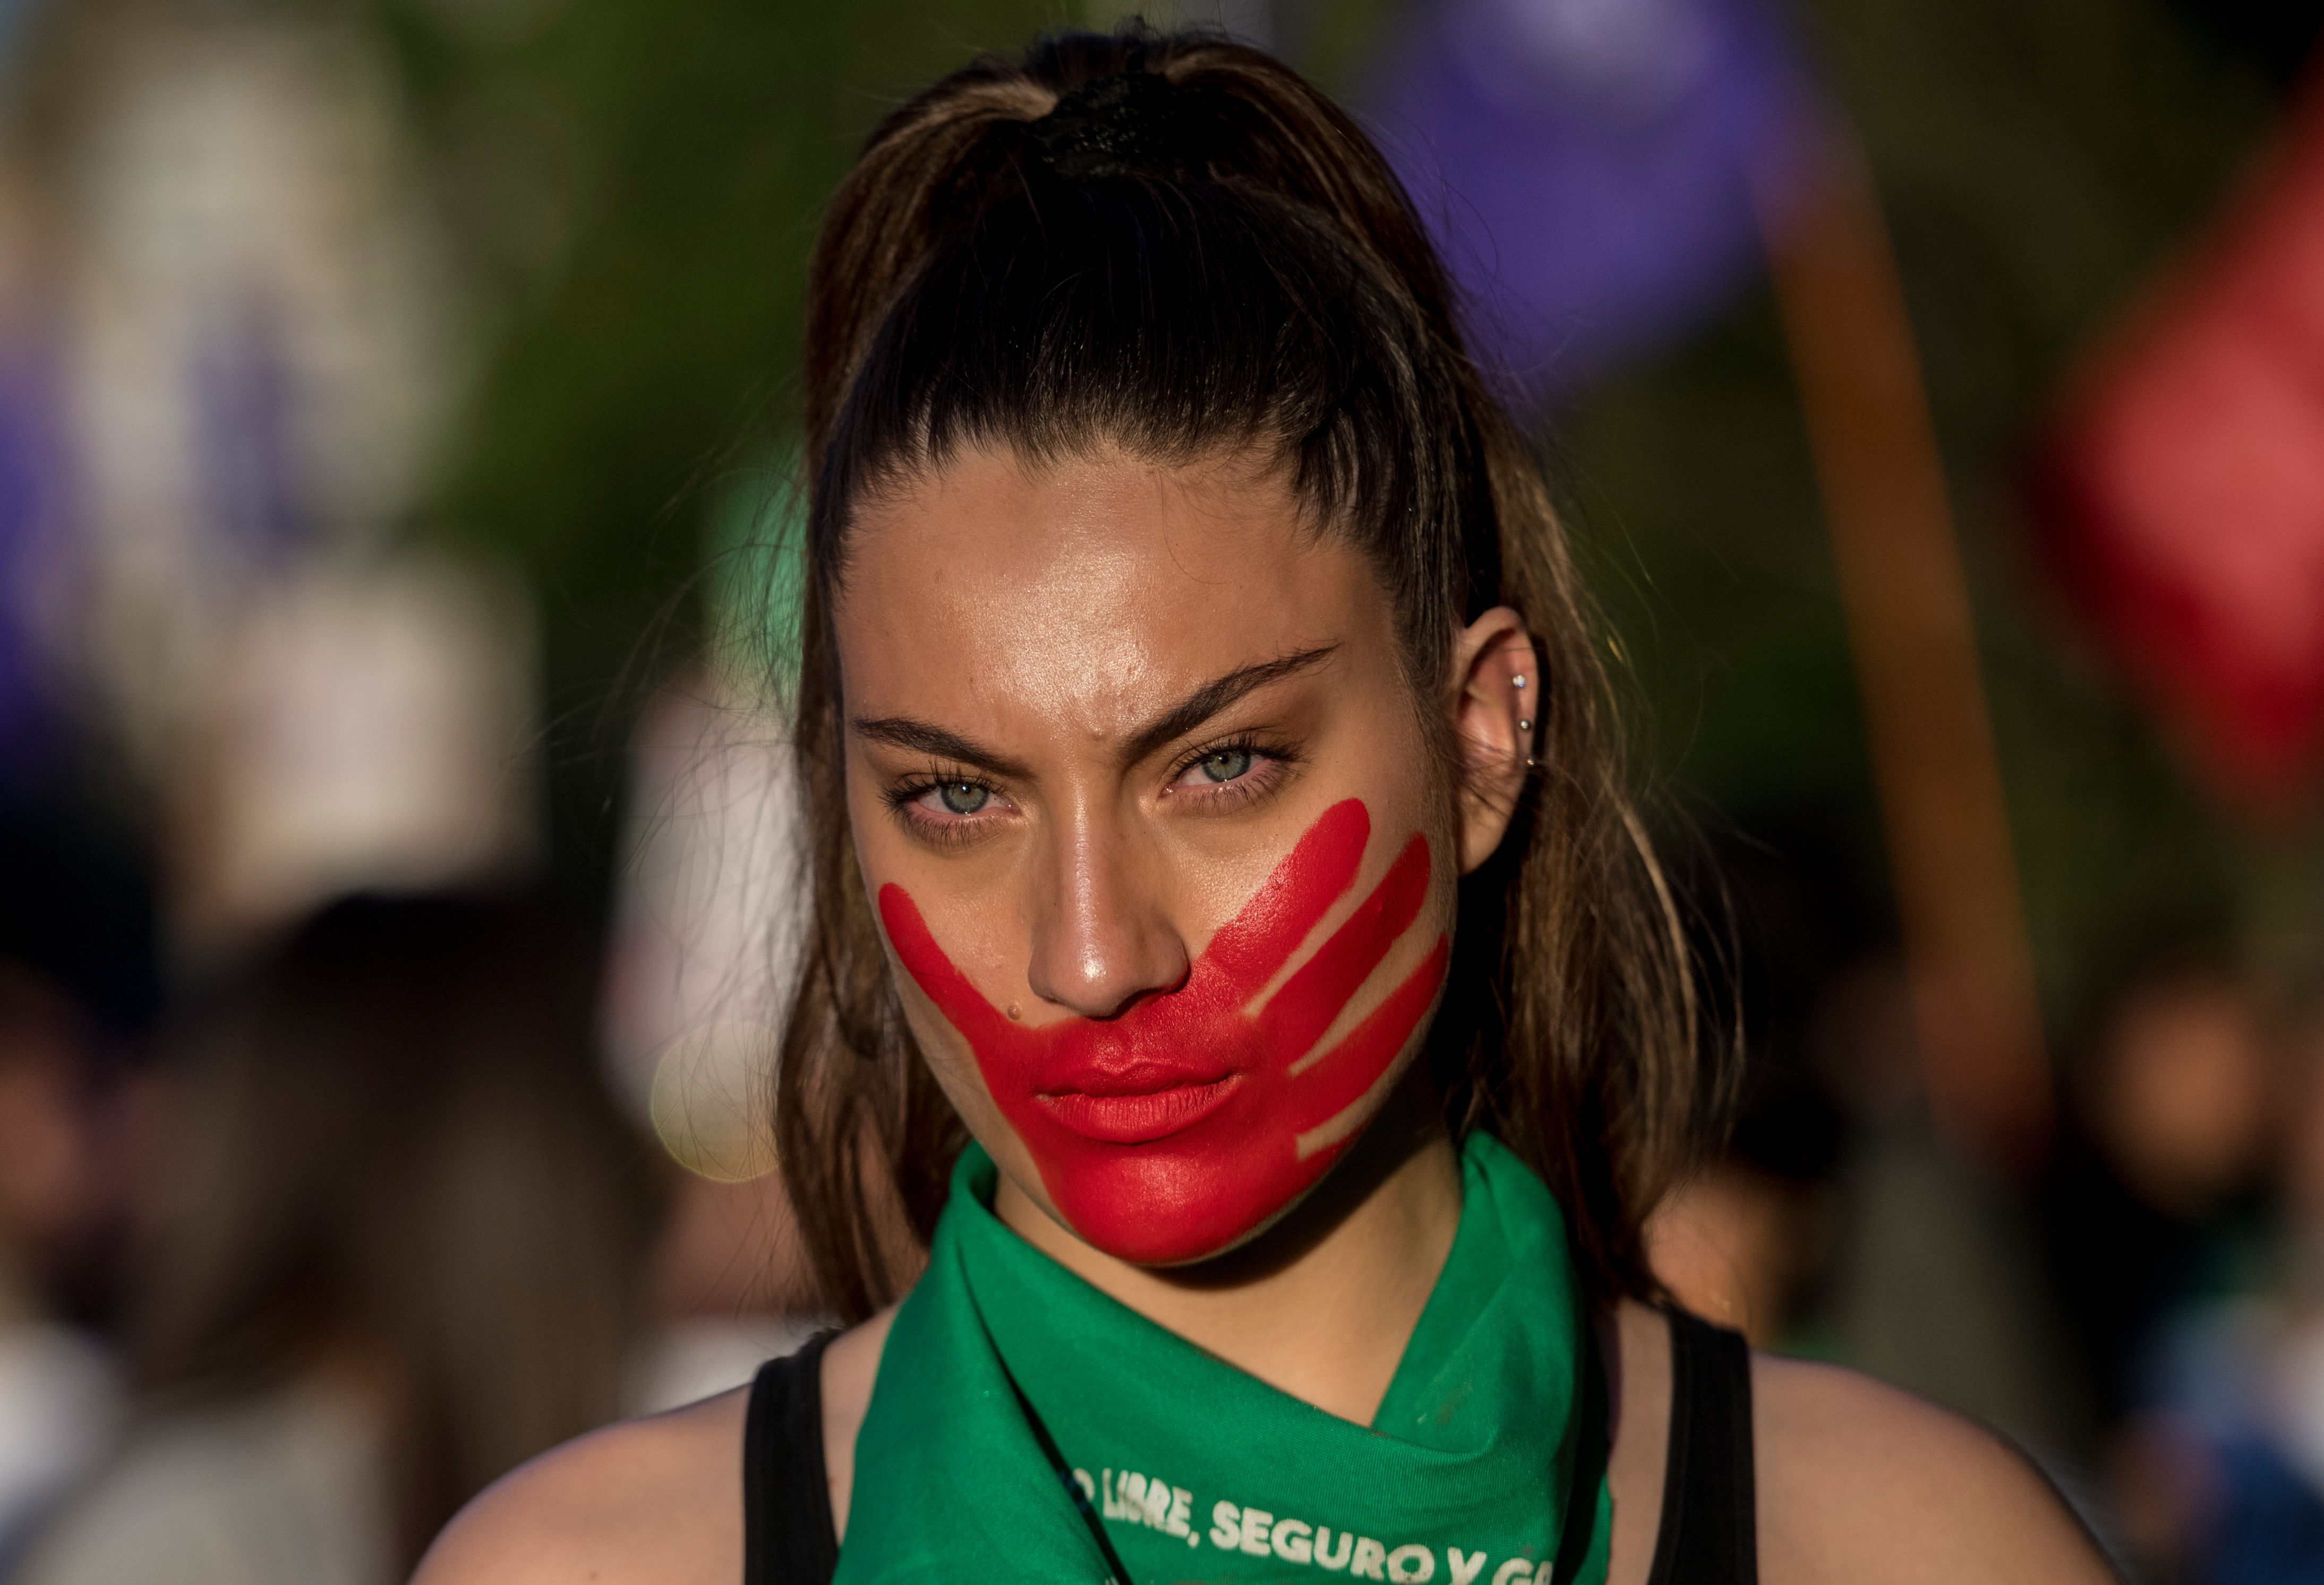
[1708,1534]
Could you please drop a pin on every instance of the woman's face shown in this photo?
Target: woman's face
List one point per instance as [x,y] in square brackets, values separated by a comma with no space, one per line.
[1154,827]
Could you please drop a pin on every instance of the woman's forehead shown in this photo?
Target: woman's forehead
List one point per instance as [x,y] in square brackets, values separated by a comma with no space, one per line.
[1088,579]
[1103,505]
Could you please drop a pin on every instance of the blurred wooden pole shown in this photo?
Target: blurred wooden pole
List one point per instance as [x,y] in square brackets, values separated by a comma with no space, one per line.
[1967,958]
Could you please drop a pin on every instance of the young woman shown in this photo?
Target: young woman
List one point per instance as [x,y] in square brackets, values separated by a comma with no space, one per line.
[1237,974]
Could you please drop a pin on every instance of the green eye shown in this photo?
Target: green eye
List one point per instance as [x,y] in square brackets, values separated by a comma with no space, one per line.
[964,797]
[1226,764]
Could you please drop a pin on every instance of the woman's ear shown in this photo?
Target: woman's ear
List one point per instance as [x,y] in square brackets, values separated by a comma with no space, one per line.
[1497,686]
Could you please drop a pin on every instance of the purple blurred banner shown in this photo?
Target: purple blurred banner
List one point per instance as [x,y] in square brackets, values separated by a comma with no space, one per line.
[35,561]
[1587,167]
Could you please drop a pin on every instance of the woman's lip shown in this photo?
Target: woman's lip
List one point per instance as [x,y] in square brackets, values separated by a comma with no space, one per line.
[1136,1119]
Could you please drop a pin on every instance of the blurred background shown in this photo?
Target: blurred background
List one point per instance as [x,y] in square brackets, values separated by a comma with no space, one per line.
[396,398]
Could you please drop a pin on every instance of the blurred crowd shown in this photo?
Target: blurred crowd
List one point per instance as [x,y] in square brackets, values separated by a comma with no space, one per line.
[394,882]
[294,1264]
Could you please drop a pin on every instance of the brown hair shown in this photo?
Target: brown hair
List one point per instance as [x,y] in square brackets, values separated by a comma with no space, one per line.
[1173,244]
[390,1136]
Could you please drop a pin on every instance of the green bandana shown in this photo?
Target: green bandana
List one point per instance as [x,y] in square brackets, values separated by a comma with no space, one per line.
[1196,1471]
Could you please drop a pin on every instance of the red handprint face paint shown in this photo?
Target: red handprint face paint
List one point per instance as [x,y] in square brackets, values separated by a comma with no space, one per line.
[1169,1132]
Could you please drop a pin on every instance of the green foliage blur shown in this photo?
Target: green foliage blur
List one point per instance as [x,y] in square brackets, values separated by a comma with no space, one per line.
[634,183]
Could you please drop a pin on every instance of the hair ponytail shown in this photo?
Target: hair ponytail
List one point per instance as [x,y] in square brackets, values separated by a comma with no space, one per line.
[1173,242]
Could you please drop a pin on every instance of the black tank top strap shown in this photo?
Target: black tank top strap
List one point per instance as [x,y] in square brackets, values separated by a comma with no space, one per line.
[1710,1532]
[787,1538]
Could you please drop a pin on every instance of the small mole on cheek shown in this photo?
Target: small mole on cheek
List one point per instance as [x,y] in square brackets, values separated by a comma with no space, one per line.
[1013,1012]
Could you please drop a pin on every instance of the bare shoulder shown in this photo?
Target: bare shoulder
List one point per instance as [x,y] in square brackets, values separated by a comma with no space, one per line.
[1633,1342]
[1859,1481]
[656,1499]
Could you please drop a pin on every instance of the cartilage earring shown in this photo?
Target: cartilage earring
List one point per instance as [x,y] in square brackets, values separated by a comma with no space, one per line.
[1518,681]
[1525,725]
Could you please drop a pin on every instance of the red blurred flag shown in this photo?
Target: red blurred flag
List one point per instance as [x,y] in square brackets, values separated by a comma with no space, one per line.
[2184,489]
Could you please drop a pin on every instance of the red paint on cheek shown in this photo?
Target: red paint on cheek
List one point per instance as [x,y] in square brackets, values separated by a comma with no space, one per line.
[1168,1133]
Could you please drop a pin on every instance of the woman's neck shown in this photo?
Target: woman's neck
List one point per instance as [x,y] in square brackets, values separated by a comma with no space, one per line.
[1322,1306]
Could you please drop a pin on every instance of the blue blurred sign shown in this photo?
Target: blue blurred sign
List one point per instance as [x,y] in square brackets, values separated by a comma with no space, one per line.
[1586,166]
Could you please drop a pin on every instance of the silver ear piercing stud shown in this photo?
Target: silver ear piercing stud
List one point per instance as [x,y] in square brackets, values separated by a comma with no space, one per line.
[1518,681]
[1523,726]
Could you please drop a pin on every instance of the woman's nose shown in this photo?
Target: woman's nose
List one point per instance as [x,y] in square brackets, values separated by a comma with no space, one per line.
[1101,938]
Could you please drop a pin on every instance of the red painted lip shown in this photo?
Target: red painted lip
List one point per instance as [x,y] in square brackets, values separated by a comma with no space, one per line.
[1139,1118]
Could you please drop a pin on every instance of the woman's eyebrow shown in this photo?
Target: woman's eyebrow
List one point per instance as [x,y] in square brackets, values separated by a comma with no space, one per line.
[1215,696]
[925,738]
